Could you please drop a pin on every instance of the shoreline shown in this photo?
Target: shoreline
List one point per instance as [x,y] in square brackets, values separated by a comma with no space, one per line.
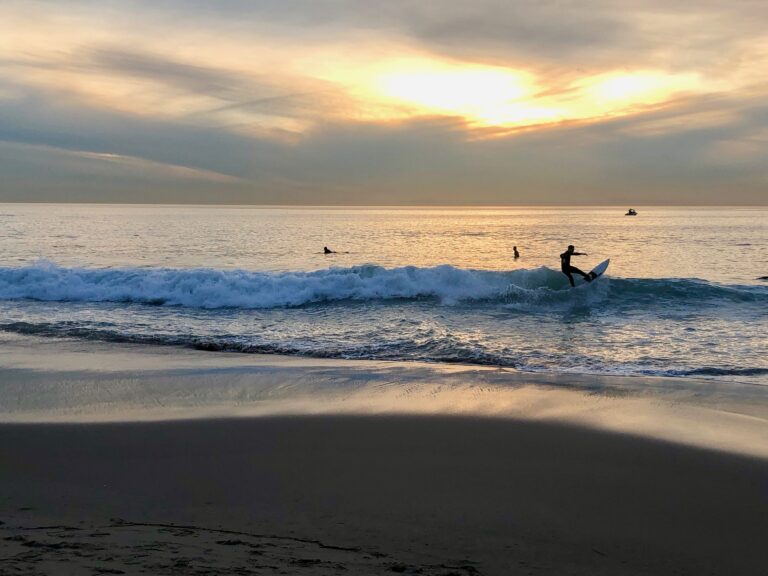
[47,380]
[132,459]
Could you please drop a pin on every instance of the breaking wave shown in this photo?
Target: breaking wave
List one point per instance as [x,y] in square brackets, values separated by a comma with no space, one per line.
[211,288]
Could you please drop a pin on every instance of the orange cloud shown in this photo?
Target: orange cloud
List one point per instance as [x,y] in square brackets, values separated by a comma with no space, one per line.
[249,82]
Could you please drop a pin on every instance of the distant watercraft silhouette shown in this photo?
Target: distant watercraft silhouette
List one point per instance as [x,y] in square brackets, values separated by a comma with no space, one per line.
[631,212]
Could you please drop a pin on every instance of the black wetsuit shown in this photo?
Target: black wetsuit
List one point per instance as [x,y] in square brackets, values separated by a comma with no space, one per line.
[565,266]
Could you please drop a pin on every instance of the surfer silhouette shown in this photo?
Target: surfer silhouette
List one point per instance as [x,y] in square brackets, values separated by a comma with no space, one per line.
[517,254]
[565,265]
[327,250]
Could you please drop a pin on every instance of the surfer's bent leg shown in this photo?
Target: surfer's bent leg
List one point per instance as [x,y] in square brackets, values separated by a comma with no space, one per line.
[570,279]
[574,269]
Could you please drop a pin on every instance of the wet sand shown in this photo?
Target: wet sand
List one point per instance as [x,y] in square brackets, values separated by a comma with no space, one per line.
[477,491]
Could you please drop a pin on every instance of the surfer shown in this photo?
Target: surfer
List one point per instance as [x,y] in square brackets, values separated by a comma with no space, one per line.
[327,250]
[517,254]
[565,265]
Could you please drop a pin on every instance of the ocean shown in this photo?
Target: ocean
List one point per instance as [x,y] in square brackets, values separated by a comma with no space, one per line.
[682,297]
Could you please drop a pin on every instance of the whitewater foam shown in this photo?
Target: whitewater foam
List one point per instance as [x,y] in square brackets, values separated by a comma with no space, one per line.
[211,288]
[528,319]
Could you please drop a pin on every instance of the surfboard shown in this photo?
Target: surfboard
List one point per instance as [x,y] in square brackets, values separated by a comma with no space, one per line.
[600,269]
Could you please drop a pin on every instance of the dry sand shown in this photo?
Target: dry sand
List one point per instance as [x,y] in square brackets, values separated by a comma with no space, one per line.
[473,491]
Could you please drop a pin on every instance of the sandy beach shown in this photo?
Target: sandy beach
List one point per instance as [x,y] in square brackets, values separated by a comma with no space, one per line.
[433,288]
[501,473]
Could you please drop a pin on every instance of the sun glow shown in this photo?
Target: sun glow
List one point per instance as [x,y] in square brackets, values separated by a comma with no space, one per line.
[376,82]
[505,98]
[639,88]
[495,100]
[459,91]
[483,96]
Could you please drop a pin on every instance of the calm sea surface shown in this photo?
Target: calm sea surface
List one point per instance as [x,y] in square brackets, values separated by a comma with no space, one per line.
[682,295]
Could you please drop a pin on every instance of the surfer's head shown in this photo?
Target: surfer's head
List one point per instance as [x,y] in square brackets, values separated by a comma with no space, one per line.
[571,248]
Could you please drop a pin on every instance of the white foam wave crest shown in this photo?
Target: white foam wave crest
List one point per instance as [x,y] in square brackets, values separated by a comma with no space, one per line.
[209,288]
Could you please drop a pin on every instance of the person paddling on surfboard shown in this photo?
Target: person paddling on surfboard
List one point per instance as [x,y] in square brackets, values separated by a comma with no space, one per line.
[565,265]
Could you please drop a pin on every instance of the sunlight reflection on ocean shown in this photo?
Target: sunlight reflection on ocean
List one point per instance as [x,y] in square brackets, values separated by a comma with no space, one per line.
[681,297]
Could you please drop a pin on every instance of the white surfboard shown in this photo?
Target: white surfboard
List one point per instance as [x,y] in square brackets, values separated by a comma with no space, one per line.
[600,269]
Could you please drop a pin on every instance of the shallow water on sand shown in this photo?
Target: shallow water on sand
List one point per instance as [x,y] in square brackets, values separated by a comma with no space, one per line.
[682,295]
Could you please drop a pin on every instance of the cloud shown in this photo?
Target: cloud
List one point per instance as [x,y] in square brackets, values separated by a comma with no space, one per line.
[46,173]
[41,118]
[551,33]
[279,101]
[120,164]
[290,65]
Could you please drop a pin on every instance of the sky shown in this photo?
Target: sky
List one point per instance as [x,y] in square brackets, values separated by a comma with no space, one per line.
[420,102]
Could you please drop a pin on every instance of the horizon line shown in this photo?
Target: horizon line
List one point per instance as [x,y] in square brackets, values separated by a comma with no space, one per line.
[476,206]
